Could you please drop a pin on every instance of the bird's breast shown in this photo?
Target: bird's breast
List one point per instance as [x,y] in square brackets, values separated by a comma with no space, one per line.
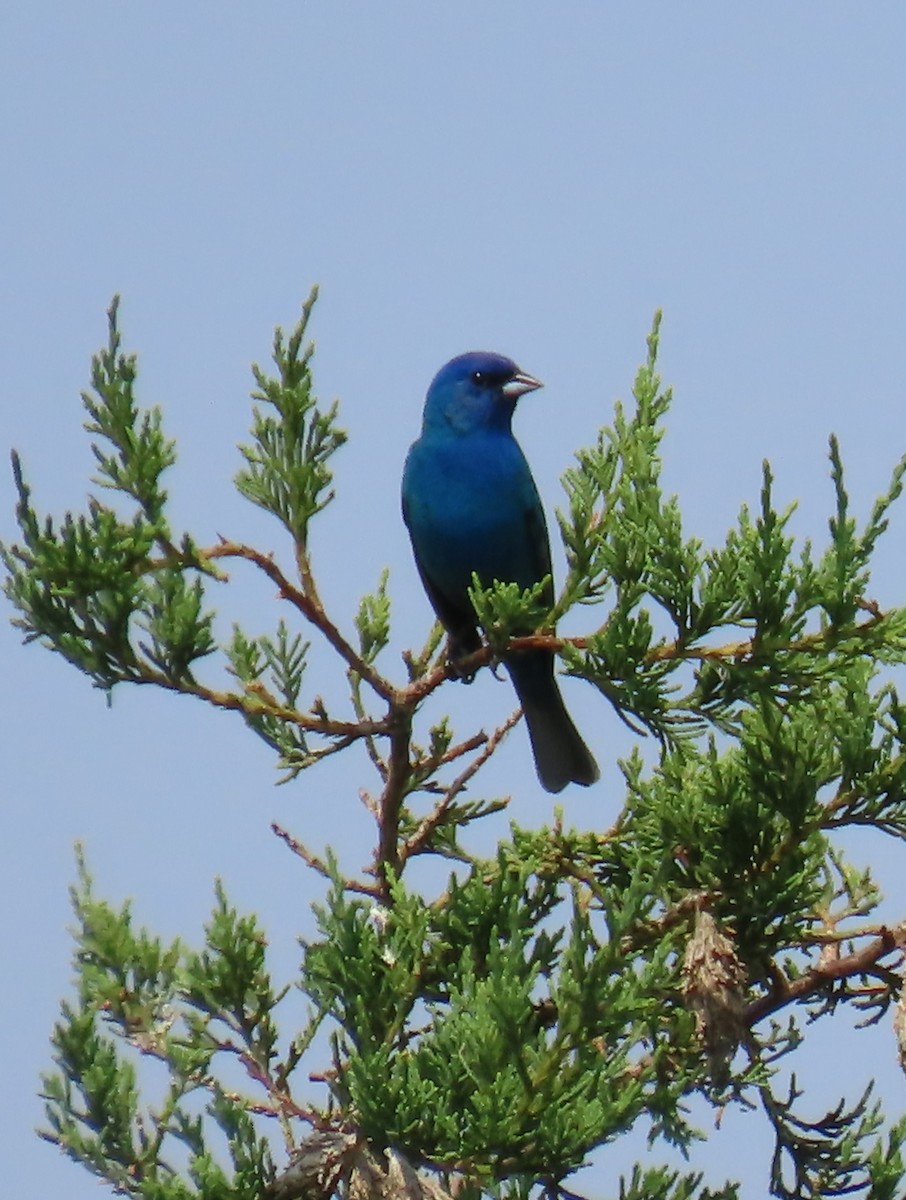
[466,504]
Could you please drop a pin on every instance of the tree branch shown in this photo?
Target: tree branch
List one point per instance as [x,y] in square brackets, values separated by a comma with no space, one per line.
[310,608]
[827,970]
[399,772]
[419,839]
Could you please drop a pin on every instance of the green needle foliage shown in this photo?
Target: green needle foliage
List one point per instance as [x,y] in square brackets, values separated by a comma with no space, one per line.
[487,1036]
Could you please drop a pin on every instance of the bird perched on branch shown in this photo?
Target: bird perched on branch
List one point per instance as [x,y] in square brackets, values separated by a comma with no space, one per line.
[471,505]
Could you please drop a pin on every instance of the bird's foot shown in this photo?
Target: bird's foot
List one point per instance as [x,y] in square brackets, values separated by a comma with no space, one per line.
[459,670]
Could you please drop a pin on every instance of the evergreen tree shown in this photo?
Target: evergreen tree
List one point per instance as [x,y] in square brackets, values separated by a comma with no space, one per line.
[487,1037]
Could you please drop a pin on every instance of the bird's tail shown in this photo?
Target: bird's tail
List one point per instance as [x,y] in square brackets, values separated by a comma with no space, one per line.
[561,757]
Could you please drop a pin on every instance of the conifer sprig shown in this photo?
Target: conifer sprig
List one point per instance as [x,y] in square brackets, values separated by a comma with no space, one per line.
[495,1027]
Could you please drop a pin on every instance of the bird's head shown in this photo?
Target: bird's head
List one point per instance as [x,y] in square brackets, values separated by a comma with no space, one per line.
[477,390]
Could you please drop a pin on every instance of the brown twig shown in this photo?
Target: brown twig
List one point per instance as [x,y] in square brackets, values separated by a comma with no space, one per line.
[399,771]
[317,864]
[827,970]
[251,705]
[355,691]
[282,1106]
[738,651]
[810,643]
[646,932]
[461,748]
[425,767]
[419,839]
[310,608]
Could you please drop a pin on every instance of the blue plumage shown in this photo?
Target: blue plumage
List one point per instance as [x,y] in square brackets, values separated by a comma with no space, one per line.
[471,505]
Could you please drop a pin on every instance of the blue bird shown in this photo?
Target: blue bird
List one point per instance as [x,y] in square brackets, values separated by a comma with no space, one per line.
[470,504]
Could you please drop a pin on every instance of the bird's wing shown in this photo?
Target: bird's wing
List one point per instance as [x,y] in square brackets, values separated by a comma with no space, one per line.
[539,546]
[456,617]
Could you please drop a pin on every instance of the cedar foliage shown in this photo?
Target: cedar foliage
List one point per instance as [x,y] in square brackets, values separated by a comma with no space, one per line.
[486,1038]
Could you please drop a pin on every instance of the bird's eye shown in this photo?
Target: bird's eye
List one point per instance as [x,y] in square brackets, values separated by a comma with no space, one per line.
[477,377]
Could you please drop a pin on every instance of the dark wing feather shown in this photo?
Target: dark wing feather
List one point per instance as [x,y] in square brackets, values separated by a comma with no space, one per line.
[457,618]
[539,543]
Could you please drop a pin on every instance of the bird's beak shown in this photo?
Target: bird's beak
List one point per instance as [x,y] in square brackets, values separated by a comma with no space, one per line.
[521,383]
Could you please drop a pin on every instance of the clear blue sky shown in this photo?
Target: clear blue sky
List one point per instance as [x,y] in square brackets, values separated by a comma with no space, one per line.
[529,178]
